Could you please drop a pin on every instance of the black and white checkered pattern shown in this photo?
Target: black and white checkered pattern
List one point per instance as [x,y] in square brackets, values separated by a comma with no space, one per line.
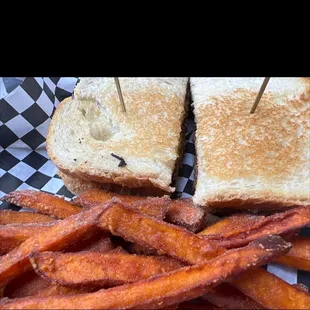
[25,113]
[185,179]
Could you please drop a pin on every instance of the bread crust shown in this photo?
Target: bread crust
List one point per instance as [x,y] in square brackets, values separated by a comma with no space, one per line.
[77,186]
[255,203]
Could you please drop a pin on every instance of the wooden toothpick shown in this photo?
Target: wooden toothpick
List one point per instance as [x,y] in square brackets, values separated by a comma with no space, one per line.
[120,95]
[259,95]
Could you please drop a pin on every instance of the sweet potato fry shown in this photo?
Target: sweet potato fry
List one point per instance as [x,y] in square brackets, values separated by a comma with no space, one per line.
[56,238]
[99,270]
[60,208]
[42,202]
[232,224]
[93,197]
[270,291]
[227,297]
[237,223]
[58,290]
[30,284]
[299,255]
[276,224]
[15,217]
[165,238]
[180,211]
[168,289]
[152,206]
[14,235]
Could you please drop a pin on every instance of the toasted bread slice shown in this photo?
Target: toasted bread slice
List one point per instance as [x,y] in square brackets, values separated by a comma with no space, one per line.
[91,138]
[252,160]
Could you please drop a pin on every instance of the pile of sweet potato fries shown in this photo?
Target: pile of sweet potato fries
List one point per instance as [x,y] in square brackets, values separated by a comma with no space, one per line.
[109,251]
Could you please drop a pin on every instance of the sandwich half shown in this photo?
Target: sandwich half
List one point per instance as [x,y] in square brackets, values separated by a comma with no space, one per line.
[92,139]
[252,161]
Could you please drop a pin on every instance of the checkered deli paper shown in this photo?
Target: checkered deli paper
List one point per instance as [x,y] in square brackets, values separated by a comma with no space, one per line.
[26,107]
